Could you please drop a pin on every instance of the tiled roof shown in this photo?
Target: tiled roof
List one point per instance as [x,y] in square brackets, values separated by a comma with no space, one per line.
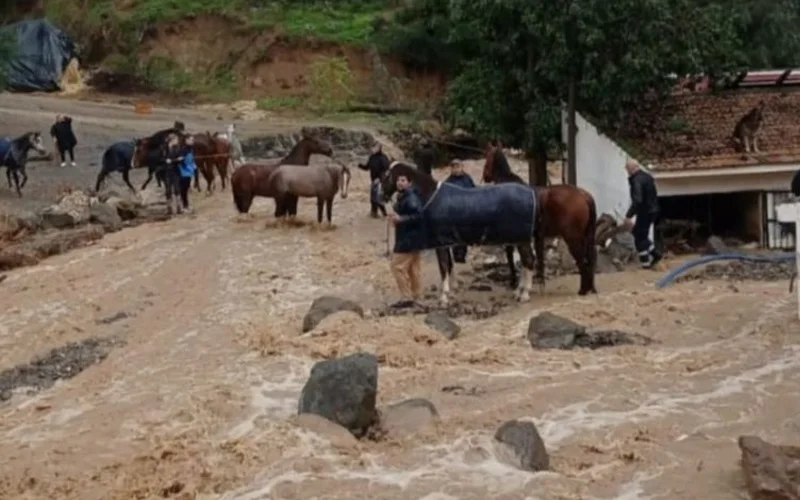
[694,130]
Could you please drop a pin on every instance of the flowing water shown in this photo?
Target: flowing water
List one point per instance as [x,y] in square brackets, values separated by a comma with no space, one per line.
[197,403]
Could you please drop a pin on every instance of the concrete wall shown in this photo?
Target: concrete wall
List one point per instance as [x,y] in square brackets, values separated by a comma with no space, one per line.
[731,183]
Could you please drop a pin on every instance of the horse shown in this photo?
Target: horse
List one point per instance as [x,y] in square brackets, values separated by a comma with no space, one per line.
[14,156]
[496,215]
[320,182]
[211,152]
[251,179]
[563,211]
[117,158]
[151,153]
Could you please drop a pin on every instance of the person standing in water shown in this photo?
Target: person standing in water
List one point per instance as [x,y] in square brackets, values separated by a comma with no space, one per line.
[644,206]
[409,242]
[65,139]
[377,165]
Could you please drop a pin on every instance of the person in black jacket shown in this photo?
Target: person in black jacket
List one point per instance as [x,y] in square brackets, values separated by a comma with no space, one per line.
[408,243]
[796,184]
[377,164]
[462,179]
[65,139]
[644,205]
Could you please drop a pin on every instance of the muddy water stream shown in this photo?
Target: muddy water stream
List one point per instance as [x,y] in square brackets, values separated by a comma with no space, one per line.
[196,403]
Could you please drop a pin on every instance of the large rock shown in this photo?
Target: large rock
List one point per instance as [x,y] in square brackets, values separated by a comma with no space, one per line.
[438,320]
[73,209]
[17,224]
[519,444]
[324,306]
[344,391]
[105,215]
[771,472]
[550,331]
[127,209]
[407,417]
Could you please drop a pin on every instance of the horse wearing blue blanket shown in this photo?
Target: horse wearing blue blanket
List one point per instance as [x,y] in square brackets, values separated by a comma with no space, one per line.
[14,156]
[454,216]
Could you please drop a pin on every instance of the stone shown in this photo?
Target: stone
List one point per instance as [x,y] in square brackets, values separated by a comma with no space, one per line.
[344,391]
[407,417]
[105,215]
[333,432]
[519,444]
[549,331]
[126,209]
[610,338]
[716,246]
[771,472]
[438,320]
[324,306]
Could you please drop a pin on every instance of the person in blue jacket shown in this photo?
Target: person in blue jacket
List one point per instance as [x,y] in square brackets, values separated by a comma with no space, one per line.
[409,242]
[462,179]
[187,169]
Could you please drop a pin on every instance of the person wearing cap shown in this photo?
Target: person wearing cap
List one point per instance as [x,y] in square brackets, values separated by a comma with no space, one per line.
[644,206]
[377,165]
[462,179]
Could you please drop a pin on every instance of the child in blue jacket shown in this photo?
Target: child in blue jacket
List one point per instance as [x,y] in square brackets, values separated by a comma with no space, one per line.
[187,169]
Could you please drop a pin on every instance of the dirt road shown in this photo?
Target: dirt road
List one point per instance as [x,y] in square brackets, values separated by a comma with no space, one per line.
[195,403]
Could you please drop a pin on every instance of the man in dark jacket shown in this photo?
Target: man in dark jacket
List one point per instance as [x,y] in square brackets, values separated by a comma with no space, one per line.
[644,205]
[377,165]
[462,179]
[424,156]
[408,243]
[65,139]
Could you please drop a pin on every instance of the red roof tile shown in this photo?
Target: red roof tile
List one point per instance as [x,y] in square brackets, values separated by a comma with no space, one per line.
[693,131]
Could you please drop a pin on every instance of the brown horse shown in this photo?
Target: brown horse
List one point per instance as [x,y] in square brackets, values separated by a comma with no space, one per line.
[251,179]
[211,152]
[302,181]
[562,211]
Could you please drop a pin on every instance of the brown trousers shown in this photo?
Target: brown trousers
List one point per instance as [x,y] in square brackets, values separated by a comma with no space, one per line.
[407,270]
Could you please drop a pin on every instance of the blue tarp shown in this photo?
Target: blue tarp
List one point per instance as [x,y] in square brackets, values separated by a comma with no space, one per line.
[41,55]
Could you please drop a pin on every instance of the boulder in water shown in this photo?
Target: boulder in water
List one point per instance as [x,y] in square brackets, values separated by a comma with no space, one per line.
[519,444]
[409,416]
[771,471]
[344,391]
[439,320]
[324,306]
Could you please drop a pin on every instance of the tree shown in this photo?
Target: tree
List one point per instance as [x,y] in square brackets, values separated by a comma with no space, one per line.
[7,51]
[615,52]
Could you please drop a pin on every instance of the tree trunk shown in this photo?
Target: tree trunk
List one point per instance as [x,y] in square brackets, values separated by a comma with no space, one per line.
[537,166]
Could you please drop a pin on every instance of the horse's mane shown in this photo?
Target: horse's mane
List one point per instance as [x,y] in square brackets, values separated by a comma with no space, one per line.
[501,168]
[25,136]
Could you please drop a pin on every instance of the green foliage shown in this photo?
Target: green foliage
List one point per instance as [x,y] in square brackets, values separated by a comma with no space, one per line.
[331,84]
[8,48]
[279,103]
[164,74]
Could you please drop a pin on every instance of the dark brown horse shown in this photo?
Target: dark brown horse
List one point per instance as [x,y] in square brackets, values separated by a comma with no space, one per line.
[562,211]
[250,179]
[458,212]
[211,153]
[303,181]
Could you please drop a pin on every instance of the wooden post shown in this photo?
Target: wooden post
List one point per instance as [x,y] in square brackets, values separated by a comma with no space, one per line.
[572,130]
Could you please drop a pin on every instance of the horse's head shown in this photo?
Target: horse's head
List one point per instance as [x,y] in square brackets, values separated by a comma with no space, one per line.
[344,180]
[313,146]
[35,142]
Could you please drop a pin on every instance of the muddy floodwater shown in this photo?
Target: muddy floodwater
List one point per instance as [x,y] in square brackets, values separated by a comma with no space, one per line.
[199,320]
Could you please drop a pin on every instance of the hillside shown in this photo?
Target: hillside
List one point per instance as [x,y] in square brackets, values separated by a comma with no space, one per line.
[282,54]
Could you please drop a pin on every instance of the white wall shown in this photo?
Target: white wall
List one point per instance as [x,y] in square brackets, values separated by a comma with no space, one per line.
[600,166]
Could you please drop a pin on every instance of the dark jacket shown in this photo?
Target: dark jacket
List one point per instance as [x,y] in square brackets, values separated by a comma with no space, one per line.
[463,180]
[424,158]
[377,164]
[796,183]
[644,197]
[410,230]
[62,131]
[158,139]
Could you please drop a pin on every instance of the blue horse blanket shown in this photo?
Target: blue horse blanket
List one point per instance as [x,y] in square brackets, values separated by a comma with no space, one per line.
[493,215]
[6,156]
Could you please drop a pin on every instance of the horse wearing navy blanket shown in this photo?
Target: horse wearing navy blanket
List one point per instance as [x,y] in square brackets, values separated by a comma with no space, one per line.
[14,156]
[497,215]
[117,158]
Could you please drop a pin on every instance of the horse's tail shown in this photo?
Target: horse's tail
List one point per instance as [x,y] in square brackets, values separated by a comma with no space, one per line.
[590,236]
[242,194]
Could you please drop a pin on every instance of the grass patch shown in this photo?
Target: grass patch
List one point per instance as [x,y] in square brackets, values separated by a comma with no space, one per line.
[167,76]
[280,103]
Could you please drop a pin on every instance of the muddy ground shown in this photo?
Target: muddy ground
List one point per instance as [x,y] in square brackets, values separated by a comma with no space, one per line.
[192,359]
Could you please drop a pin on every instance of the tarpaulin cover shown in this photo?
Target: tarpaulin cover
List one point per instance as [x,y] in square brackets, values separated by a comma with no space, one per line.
[492,215]
[42,54]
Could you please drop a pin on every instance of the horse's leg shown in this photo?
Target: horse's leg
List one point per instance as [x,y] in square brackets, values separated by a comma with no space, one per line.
[329,210]
[8,176]
[125,177]
[578,251]
[24,177]
[197,178]
[16,183]
[538,241]
[523,293]
[149,178]
[511,269]
[445,261]
[320,204]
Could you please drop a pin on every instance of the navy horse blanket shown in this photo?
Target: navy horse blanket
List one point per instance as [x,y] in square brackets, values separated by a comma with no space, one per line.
[117,158]
[8,157]
[494,215]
